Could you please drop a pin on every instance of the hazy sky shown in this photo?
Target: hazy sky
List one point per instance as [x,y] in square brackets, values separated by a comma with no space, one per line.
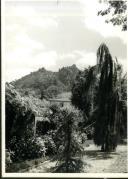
[44,33]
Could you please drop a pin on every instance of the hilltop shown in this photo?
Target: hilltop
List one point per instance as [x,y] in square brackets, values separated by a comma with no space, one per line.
[43,83]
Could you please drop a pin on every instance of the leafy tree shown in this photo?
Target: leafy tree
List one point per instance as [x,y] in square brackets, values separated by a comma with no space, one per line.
[118,10]
[84,91]
[77,91]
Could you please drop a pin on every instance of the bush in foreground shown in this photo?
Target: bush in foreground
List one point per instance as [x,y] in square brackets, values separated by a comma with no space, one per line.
[70,146]
[27,147]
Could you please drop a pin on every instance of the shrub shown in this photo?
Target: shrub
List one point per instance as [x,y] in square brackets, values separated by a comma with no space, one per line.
[49,144]
[56,116]
[27,147]
[74,166]
[68,142]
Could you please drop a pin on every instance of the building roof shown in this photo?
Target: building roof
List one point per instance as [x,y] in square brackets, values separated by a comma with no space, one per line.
[59,100]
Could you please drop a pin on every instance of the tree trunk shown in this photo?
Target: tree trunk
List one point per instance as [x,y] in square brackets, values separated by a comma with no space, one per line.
[68,147]
[102,147]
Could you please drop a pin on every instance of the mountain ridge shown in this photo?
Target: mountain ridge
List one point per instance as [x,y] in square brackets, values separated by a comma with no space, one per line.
[44,83]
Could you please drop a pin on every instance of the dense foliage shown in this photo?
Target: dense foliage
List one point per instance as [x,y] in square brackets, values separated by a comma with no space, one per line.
[63,137]
[20,138]
[82,98]
[27,147]
[19,115]
[55,117]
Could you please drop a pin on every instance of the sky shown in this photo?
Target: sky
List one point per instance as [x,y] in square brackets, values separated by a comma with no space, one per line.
[57,33]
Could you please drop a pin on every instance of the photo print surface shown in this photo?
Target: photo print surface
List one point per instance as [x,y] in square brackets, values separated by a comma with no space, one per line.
[65,85]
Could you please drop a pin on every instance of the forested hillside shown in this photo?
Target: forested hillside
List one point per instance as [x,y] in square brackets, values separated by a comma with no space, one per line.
[43,83]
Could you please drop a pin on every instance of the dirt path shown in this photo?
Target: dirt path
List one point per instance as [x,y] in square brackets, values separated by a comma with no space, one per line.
[95,161]
[120,165]
[100,162]
[45,167]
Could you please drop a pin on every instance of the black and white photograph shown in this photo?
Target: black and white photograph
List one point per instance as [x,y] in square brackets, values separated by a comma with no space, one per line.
[64,88]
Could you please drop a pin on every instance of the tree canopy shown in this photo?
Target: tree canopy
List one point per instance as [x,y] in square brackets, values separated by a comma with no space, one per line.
[118,11]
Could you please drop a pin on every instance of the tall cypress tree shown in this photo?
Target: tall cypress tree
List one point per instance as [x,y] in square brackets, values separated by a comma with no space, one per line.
[102,88]
[109,114]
